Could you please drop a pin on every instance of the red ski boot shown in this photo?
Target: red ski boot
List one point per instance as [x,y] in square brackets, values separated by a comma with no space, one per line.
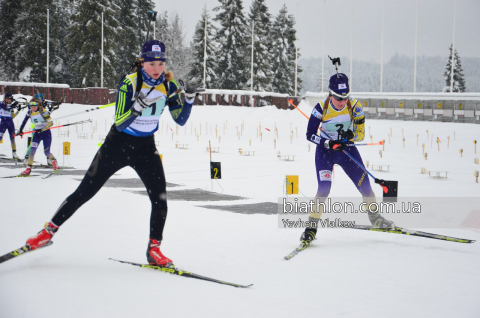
[43,237]
[27,171]
[155,256]
[54,164]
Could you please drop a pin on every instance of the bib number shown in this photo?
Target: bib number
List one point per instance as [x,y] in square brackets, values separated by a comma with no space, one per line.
[155,110]
[337,127]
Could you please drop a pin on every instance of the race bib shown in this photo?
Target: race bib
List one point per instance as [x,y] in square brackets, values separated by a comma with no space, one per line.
[325,175]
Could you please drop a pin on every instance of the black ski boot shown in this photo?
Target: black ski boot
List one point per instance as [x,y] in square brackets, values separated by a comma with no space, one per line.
[308,236]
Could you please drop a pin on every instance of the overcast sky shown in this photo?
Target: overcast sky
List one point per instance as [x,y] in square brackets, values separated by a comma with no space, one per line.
[435,25]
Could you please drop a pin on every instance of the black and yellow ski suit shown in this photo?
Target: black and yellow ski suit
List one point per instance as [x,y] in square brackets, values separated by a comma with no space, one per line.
[130,142]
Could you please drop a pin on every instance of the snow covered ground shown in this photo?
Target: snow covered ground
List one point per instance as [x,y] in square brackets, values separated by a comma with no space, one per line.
[345,273]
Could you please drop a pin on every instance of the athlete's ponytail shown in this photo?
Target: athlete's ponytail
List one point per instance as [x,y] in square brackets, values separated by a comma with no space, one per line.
[168,76]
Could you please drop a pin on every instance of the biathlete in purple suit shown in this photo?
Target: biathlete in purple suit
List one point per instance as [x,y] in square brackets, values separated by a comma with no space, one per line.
[42,121]
[341,121]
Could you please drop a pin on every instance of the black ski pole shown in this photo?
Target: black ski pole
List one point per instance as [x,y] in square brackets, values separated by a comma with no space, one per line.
[151,16]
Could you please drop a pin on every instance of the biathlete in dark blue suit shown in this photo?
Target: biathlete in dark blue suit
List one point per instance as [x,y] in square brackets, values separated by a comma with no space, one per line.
[342,121]
[7,115]
[141,100]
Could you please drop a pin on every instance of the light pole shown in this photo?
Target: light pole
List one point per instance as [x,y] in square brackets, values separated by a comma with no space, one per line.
[351,46]
[416,44]
[101,61]
[323,42]
[205,55]
[453,46]
[381,54]
[296,66]
[251,64]
[48,43]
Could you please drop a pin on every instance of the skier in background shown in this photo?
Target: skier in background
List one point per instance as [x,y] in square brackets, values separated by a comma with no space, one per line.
[40,100]
[7,115]
[342,121]
[42,121]
[141,99]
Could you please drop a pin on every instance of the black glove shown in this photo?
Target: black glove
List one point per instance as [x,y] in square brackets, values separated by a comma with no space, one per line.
[191,90]
[334,145]
[19,132]
[346,135]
